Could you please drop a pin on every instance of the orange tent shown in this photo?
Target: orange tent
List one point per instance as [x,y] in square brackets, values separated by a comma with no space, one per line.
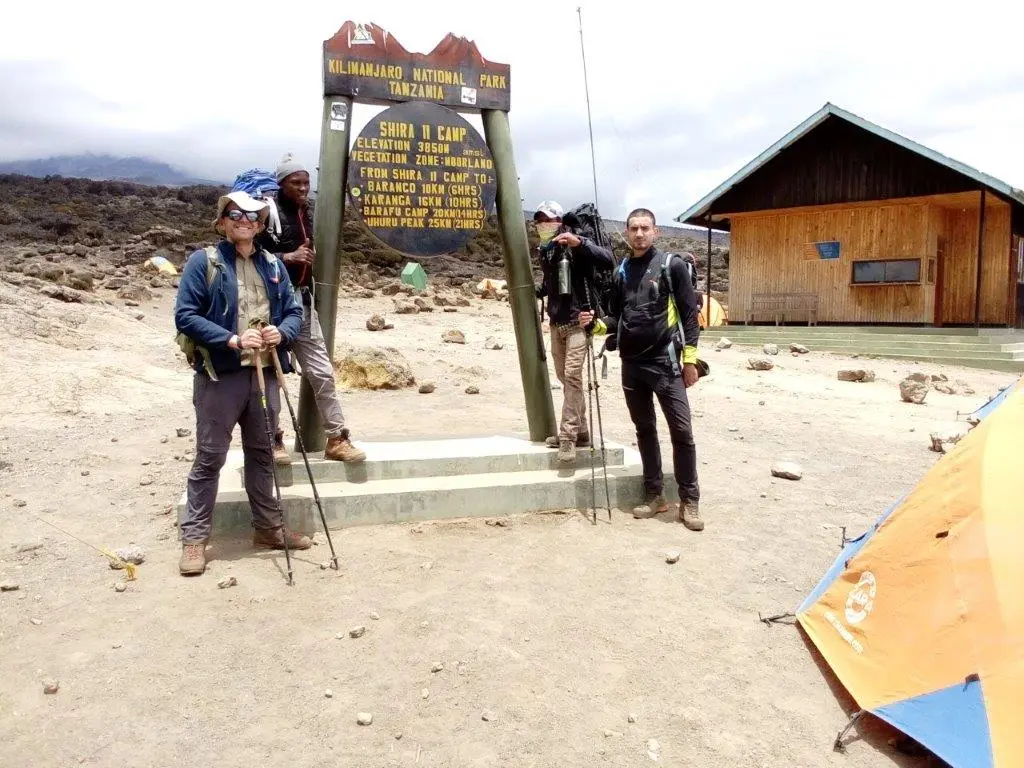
[922,617]
[718,314]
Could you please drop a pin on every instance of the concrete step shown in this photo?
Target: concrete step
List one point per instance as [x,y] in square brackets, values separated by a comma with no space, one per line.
[1008,343]
[430,458]
[880,330]
[894,347]
[457,490]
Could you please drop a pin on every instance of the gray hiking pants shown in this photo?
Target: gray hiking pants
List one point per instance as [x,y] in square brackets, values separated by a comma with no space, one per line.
[220,405]
[311,352]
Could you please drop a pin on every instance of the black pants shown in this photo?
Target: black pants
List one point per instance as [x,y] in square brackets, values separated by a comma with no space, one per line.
[640,383]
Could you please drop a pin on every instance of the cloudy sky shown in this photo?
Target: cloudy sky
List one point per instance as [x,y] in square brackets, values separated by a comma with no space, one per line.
[681,97]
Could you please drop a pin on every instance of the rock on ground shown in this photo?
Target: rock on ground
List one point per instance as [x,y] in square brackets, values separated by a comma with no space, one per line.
[800,349]
[787,470]
[364,718]
[375,323]
[770,349]
[453,336]
[427,387]
[723,343]
[913,390]
[757,364]
[856,374]
[374,368]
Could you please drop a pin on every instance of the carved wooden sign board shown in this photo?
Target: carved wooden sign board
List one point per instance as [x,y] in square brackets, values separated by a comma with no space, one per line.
[421,177]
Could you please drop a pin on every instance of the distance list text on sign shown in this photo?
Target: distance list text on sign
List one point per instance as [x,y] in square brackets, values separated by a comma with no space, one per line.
[422,179]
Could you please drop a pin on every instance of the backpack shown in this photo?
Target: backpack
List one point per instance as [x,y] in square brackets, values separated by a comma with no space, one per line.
[584,220]
[261,185]
[213,266]
[679,337]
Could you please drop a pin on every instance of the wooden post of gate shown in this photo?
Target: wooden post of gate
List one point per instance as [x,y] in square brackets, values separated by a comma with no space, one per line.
[423,179]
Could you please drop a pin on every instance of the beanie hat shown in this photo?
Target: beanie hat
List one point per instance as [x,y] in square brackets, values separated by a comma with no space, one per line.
[288,166]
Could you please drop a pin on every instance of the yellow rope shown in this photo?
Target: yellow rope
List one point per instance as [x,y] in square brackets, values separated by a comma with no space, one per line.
[128,568]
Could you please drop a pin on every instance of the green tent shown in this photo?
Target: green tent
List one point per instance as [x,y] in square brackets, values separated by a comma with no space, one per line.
[413,274]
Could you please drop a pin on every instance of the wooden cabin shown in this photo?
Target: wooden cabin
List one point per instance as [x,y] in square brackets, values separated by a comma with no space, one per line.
[842,221]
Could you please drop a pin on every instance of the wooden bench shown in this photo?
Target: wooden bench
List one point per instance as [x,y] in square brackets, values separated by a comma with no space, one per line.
[781,306]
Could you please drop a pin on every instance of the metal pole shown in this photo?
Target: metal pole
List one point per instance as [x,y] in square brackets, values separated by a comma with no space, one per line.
[330,211]
[590,125]
[540,411]
[707,287]
[981,243]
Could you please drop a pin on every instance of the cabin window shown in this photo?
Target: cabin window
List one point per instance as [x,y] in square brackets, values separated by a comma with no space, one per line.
[881,272]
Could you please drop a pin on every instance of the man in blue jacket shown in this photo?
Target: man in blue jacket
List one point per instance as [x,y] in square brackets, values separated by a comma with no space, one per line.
[222,290]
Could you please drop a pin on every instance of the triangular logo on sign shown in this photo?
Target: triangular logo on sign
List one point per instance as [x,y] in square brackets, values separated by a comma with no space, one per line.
[361,36]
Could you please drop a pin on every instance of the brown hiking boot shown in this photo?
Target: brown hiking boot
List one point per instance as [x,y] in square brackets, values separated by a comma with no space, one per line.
[341,449]
[274,539]
[566,452]
[655,504]
[582,441]
[689,515]
[281,456]
[193,558]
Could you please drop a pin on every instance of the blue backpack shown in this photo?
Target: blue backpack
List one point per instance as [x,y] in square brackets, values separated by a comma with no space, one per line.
[261,185]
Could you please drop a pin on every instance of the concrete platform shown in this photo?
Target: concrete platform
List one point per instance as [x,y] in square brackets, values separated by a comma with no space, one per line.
[436,479]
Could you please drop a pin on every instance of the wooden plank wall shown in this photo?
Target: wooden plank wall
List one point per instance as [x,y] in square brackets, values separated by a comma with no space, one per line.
[961,231]
[767,254]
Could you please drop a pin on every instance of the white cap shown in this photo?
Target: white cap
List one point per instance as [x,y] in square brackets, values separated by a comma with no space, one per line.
[244,201]
[549,208]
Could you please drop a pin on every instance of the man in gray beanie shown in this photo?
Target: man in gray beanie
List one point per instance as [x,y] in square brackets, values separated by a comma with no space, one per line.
[294,246]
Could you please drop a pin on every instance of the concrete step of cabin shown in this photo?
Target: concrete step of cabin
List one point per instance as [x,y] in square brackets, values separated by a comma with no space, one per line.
[431,458]
[1006,342]
[872,329]
[470,481]
[842,344]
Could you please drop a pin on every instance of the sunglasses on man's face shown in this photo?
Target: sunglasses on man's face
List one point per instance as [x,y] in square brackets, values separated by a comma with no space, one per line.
[237,215]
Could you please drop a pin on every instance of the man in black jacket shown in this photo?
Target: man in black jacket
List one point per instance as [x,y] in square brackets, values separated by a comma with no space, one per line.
[568,261]
[652,298]
[294,246]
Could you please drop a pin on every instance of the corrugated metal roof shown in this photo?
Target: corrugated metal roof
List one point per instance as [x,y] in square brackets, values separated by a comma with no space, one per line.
[700,209]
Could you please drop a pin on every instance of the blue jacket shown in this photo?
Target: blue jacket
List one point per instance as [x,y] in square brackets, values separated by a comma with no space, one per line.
[209,316]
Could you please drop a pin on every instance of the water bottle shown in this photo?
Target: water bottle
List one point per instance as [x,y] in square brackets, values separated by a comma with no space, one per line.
[563,275]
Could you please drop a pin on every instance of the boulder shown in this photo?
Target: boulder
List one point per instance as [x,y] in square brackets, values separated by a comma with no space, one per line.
[913,391]
[757,364]
[374,368]
[138,293]
[770,349]
[723,343]
[799,349]
[856,374]
[453,336]
[787,470]
[403,307]
[375,323]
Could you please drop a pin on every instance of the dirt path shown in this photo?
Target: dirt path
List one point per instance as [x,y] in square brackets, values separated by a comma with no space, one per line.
[554,629]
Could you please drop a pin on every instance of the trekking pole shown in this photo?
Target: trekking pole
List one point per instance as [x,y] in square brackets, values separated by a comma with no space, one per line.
[302,449]
[590,415]
[270,447]
[592,381]
[600,430]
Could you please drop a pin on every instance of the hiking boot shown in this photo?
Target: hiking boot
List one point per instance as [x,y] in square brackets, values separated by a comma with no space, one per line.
[281,456]
[583,441]
[273,538]
[193,558]
[689,515]
[655,504]
[566,452]
[341,449]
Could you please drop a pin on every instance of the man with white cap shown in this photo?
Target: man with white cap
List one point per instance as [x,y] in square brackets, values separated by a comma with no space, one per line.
[294,246]
[223,289]
[568,261]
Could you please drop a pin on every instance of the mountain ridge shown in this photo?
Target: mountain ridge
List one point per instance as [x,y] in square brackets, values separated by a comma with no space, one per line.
[106,167]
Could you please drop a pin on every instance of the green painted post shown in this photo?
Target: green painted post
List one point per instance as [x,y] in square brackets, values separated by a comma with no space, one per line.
[540,411]
[335,128]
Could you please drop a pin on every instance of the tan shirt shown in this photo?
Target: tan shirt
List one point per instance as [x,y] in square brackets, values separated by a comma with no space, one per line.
[252,302]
